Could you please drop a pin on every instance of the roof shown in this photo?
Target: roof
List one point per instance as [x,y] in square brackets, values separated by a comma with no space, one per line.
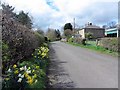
[111,31]
[92,26]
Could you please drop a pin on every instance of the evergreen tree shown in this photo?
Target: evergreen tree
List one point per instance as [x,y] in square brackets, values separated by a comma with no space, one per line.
[68,26]
[24,19]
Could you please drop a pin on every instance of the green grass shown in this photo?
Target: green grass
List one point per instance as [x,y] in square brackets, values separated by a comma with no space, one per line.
[91,45]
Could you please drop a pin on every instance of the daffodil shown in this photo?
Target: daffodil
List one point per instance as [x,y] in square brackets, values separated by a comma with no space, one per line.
[35,76]
[29,77]
[9,70]
[22,68]
[22,76]
[39,51]
[19,75]
[34,56]
[36,81]
[16,72]
[30,81]
[33,71]
[37,67]
[28,71]
[43,54]
[7,79]
[26,75]
[19,80]
[25,68]
[14,66]
[28,68]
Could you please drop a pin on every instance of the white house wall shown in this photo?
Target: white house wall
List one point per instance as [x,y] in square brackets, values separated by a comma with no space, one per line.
[82,33]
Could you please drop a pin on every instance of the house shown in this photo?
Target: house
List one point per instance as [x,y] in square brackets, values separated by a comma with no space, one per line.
[112,32]
[95,30]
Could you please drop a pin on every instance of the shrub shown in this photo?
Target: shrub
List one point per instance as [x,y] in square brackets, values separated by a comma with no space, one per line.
[40,38]
[51,34]
[6,57]
[68,33]
[71,39]
[21,40]
[89,35]
[18,44]
[109,43]
[80,41]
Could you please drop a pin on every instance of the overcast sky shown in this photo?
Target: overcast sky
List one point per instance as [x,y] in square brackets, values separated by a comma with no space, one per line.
[55,13]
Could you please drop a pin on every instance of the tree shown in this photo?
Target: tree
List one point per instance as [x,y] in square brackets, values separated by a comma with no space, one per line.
[8,10]
[40,31]
[24,19]
[104,26]
[68,33]
[58,34]
[112,24]
[51,34]
[68,26]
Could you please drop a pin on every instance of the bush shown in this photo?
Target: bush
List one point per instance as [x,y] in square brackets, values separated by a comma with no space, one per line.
[89,35]
[40,38]
[29,73]
[21,40]
[19,69]
[71,39]
[68,33]
[6,57]
[80,41]
[109,43]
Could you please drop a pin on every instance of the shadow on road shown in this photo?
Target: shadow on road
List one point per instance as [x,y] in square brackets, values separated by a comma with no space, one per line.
[57,76]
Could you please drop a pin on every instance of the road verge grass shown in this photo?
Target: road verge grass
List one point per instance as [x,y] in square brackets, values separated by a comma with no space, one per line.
[95,48]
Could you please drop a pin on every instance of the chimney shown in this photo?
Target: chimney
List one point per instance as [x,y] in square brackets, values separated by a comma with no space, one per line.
[90,23]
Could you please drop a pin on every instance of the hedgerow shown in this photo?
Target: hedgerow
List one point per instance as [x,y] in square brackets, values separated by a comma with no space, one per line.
[20,46]
[21,40]
[110,44]
[77,40]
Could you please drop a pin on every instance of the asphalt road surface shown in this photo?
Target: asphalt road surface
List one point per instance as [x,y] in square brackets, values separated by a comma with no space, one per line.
[75,67]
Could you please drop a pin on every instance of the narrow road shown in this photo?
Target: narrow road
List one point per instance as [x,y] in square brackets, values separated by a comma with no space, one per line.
[75,67]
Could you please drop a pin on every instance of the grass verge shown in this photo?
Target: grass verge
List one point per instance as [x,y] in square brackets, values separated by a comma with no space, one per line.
[95,48]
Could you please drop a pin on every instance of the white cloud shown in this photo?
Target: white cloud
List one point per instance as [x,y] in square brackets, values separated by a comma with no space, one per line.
[62,11]
[37,6]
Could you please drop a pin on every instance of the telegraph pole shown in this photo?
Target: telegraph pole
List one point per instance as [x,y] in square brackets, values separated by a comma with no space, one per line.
[74,25]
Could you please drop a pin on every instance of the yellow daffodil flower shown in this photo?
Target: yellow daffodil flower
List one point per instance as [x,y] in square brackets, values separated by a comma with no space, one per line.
[14,66]
[35,76]
[33,71]
[26,75]
[37,67]
[30,81]
[7,79]
[16,72]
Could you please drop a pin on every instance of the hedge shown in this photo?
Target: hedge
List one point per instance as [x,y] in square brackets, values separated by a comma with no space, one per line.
[110,44]
[21,40]
[77,40]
